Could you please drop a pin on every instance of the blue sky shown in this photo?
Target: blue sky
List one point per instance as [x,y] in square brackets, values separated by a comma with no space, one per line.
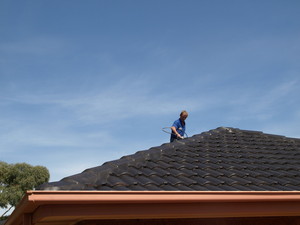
[85,82]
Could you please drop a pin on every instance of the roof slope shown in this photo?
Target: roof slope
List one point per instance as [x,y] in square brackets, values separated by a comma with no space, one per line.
[223,159]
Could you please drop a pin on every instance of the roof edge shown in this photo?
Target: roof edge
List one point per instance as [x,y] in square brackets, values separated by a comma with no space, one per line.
[34,199]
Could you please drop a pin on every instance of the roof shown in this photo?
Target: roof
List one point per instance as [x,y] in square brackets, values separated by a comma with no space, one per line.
[223,159]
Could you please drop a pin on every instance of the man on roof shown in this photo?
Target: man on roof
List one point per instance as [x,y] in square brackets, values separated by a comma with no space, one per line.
[178,127]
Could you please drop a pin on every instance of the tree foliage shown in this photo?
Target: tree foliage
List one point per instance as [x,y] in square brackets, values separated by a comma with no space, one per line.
[16,179]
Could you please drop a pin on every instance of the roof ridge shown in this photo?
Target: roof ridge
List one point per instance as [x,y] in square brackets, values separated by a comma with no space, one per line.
[232,129]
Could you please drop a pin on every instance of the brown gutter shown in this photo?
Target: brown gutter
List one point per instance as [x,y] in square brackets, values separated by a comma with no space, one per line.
[70,207]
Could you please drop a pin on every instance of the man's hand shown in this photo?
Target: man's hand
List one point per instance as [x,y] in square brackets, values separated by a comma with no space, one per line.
[179,136]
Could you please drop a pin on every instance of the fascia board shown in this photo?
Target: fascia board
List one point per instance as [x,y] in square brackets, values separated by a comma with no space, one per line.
[151,204]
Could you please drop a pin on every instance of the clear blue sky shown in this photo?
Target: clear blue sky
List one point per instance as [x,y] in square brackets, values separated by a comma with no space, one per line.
[83,82]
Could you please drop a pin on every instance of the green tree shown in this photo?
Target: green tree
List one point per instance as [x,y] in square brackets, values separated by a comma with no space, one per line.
[16,179]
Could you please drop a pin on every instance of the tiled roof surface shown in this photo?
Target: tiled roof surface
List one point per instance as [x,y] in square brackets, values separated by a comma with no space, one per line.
[223,159]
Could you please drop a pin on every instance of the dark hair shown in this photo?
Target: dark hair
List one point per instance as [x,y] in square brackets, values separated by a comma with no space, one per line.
[183,112]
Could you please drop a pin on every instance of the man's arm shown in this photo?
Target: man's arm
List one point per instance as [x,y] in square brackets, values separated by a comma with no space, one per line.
[175,132]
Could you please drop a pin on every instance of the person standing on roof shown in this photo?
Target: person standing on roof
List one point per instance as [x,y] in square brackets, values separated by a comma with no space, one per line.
[178,127]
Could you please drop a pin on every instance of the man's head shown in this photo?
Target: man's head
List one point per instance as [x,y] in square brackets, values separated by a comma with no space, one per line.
[183,115]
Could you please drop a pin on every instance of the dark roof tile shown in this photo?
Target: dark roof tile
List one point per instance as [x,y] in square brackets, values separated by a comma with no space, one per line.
[173,180]
[224,159]
[160,171]
[150,187]
[213,187]
[187,180]
[112,181]
[168,187]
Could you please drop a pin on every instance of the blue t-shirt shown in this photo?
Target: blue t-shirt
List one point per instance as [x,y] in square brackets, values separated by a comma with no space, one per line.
[180,128]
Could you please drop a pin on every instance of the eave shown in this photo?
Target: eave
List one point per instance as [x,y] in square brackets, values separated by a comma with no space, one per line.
[71,207]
